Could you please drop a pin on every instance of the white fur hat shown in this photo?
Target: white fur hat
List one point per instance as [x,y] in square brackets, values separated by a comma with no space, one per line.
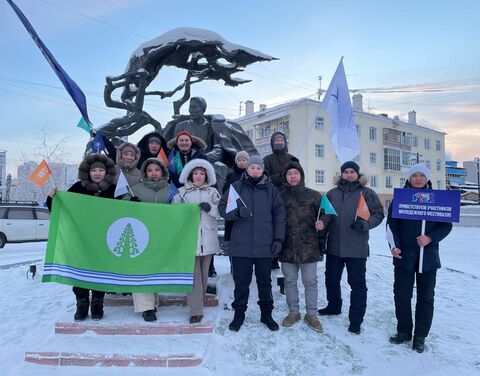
[212,179]
[419,168]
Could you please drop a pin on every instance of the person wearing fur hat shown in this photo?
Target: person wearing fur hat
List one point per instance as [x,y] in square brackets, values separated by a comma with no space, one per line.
[347,243]
[183,148]
[128,156]
[407,240]
[96,175]
[257,235]
[152,188]
[151,146]
[303,245]
[198,177]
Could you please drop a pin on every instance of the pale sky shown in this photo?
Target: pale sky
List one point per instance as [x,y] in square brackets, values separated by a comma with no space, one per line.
[422,55]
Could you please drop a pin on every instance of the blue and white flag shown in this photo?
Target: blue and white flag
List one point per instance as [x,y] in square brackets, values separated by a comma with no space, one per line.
[337,104]
[97,145]
[233,196]
[72,88]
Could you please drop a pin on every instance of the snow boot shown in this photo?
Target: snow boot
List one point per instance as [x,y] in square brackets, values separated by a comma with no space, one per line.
[399,338]
[82,309]
[329,311]
[313,323]
[418,344]
[353,328]
[195,319]
[267,319]
[149,315]
[96,309]
[237,321]
[291,319]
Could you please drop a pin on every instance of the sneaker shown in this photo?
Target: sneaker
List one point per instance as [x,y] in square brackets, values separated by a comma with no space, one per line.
[149,315]
[269,322]
[82,309]
[195,319]
[355,329]
[96,309]
[327,311]
[418,344]
[291,319]
[399,338]
[237,321]
[313,323]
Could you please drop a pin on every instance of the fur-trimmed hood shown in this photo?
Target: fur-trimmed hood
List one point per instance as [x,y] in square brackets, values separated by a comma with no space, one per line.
[158,162]
[211,178]
[119,154]
[362,179]
[272,139]
[196,142]
[84,173]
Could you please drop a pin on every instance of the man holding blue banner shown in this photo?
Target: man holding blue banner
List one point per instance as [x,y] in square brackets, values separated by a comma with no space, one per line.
[407,237]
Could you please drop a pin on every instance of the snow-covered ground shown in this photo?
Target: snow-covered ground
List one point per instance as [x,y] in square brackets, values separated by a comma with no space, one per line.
[30,308]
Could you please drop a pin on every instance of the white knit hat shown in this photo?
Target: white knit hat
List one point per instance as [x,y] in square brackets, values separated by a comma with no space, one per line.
[419,168]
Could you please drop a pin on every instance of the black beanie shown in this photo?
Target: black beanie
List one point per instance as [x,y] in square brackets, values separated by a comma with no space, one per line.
[350,164]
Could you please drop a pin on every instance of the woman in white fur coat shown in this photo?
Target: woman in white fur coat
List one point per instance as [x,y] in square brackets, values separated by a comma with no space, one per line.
[198,176]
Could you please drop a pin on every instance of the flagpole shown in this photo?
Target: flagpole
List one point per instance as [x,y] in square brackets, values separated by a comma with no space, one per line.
[420,259]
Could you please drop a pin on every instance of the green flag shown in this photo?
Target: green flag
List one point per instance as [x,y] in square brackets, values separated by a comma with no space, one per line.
[327,206]
[121,246]
[84,125]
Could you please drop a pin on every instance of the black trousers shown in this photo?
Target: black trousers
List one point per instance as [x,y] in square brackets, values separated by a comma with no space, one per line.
[356,271]
[403,291]
[82,293]
[242,276]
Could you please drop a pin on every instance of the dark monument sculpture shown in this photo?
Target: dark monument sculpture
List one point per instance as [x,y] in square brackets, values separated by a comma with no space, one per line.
[205,55]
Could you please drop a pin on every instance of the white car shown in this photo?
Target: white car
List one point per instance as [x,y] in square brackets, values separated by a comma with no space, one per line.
[23,222]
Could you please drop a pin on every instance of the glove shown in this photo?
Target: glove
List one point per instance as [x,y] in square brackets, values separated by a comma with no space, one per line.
[244,212]
[136,199]
[276,247]
[205,206]
[360,225]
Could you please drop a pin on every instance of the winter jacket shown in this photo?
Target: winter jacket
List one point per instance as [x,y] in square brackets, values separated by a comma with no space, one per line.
[253,236]
[303,243]
[132,174]
[342,240]
[143,146]
[275,163]
[207,242]
[405,232]
[231,177]
[178,160]
[106,188]
[152,191]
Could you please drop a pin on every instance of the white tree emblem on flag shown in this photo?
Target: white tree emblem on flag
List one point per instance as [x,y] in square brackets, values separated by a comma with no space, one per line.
[127,236]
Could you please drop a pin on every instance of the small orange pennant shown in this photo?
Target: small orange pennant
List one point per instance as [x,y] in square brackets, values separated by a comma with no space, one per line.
[163,157]
[41,174]
[362,208]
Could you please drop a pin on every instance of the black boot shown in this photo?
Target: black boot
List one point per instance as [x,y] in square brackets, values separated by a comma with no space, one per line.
[149,315]
[418,344]
[237,321]
[267,319]
[96,309]
[399,338]
[354,328]
[82,309]
[329,311]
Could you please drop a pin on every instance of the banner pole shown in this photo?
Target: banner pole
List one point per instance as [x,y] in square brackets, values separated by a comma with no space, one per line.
[420,261]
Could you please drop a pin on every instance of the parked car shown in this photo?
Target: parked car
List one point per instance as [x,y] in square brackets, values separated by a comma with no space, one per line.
[23,222]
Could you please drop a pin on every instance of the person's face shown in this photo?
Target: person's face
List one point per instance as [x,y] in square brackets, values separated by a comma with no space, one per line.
[293,176]
[184,143]
[254,170]
[349,174]
[279,140]
[198,177]
[418,180]
[153,172]
[154,147]
[97,174]
[241,163]
[128,157]
[195,109]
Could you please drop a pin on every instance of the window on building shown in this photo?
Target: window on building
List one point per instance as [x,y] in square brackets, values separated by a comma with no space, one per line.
[374,181]
[415,141]
[373,134]
[358,129]
[427,163]
[439,184]
[373,158]
[320,176]
[438,145]
[319,151]
[388,182]
[391,159]
[319,123]
[439,165]
[402,182]
[426,143]
[406,158]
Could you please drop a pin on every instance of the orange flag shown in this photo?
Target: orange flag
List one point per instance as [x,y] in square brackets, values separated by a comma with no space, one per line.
[362,208]
[41,174]
[163,157]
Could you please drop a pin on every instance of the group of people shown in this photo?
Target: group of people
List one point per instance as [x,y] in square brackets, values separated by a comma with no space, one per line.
[275,216]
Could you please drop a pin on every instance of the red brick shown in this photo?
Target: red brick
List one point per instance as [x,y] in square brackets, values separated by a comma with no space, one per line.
[159,330]
[133,330]
[184,362]
[77,359]
[197,328]
[210,301]
[149,361]
[43,358]
[111,331]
